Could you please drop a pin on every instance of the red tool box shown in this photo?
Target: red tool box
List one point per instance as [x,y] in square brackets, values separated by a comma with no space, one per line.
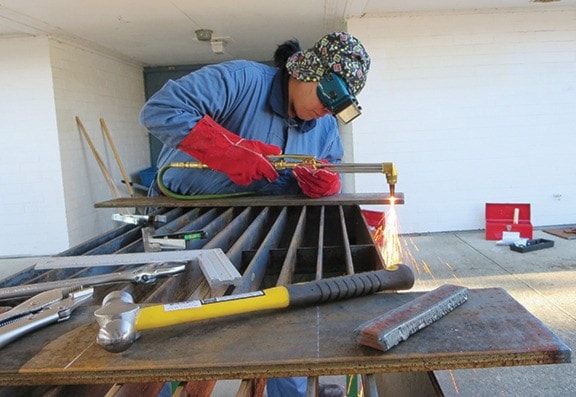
[508,217]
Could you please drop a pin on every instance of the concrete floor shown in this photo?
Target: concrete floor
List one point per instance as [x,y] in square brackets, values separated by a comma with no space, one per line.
[543,281]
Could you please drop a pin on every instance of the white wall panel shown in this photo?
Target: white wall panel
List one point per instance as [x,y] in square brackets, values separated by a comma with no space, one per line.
[90,85]
[31,192]
[50,179]
[473,107]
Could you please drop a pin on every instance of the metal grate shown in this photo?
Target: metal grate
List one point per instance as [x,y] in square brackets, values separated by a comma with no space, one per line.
[269,245]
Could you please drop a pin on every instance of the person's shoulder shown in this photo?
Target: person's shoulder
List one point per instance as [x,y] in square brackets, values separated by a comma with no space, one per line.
[231,71]
[245,66]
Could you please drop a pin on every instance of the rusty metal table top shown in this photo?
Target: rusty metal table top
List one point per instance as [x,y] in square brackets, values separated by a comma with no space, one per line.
[491,329]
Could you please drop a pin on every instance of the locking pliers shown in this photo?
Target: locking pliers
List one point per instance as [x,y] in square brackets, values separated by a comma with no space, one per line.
[43,309]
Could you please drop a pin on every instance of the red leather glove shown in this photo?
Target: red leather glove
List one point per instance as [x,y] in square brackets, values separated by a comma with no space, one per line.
[241,159]
[317,183]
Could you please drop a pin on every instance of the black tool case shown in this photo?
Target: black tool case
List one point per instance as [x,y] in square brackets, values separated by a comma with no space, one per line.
[533,245]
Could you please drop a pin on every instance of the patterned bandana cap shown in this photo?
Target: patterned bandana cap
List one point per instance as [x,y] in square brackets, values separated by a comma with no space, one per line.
[338,52]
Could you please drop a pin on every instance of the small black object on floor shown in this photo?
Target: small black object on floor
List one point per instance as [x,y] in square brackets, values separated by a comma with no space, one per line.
[532,245]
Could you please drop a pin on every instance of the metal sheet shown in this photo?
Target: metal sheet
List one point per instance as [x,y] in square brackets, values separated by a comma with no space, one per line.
[491,329]
[255,201]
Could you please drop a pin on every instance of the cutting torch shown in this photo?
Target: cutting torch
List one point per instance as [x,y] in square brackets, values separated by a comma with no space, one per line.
[290,161]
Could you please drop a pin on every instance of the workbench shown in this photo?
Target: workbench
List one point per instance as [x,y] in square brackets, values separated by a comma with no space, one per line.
[277,245]
[489,330]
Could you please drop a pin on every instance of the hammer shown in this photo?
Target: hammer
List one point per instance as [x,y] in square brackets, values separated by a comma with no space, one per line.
[121,320]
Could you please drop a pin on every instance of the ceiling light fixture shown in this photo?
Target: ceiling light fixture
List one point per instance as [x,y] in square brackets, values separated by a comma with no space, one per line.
[203,34]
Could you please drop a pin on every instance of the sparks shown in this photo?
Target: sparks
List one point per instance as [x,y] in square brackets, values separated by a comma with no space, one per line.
[391,247]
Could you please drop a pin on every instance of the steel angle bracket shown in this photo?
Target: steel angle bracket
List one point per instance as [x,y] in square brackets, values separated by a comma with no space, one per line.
[217,269]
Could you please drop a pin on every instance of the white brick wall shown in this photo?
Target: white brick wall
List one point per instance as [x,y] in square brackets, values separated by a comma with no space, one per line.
[50,180]
[31,193]
[473,107]
[91,85]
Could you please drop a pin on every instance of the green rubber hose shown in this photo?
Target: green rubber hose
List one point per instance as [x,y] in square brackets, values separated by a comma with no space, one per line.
[169,193]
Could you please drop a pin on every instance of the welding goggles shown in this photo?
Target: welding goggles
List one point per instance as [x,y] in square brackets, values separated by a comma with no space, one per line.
[335,95]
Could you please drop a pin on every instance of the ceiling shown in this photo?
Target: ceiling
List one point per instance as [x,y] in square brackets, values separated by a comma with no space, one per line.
[153,33]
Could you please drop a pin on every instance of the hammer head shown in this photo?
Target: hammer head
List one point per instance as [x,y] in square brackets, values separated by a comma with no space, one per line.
[117,320]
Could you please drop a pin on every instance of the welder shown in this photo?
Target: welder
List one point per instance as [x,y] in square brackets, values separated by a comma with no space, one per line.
[231,116]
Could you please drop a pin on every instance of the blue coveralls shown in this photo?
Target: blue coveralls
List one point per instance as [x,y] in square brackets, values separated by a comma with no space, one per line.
[249,99]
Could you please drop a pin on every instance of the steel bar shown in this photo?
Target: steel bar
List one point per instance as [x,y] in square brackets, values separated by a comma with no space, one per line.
[320,244]
[289,263]
[183,219]
[117,243]
[395,326]
[214,223]
[100,240]
[254,274]
[226,236]
[346,242]
[249,237]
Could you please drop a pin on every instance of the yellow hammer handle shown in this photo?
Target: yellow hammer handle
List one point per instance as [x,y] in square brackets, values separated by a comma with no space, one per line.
[158,316]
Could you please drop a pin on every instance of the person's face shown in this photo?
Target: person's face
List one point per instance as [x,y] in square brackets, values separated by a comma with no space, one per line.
[303,101]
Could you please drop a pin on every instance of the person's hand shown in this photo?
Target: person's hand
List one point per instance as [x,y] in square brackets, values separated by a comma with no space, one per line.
[316,183]
[243,160]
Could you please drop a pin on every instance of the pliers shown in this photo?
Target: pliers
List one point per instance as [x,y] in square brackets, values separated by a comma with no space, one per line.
[43,309]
